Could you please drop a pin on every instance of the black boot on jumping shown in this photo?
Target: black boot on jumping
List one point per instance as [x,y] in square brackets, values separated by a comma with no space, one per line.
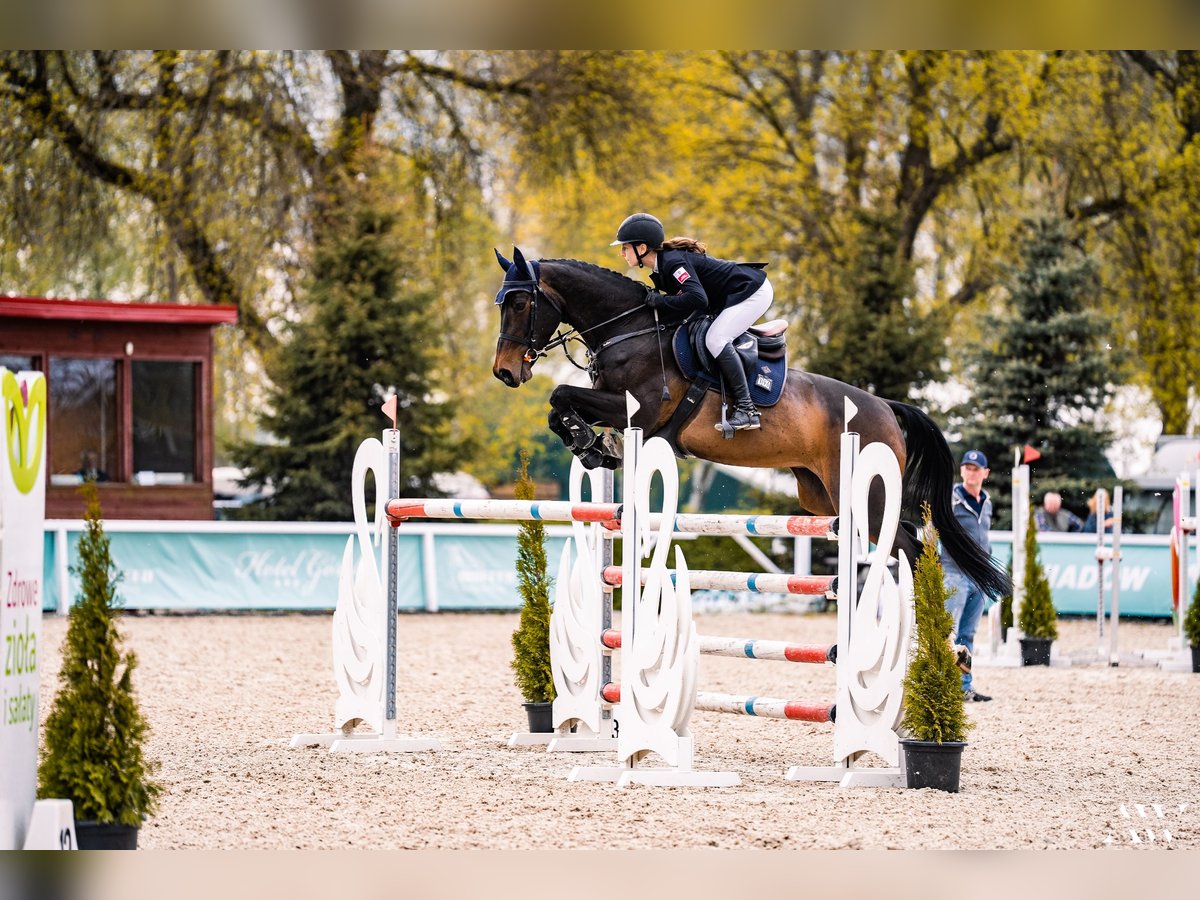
[744,416]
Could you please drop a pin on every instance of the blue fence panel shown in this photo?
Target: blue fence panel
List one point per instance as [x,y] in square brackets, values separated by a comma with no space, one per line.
[1072,570]
[259,566]
[226,566]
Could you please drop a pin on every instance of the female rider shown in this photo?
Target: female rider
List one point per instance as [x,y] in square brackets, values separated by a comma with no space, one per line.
[690,280]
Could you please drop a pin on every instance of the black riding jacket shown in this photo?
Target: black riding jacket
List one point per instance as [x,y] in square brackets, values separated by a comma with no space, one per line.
[695,282]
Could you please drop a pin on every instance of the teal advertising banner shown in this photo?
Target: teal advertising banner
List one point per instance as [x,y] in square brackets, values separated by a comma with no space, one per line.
[224,566]
[1073,573]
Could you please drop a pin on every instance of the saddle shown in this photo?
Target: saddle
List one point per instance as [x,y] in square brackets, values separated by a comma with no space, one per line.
[762,349]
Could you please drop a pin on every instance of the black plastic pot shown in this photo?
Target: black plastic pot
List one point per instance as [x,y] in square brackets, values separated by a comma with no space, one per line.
[933,764]
[105,836]
[1035,651]
[541,717]
[1195,658]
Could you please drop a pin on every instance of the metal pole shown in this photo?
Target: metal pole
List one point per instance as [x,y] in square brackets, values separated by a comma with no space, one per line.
[1020,488]
[1115,613]
[1100,510]
[391,441]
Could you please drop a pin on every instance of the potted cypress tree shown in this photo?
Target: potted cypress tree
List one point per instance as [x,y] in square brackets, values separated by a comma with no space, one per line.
[92,752]
[1038,618]
[1191,628]
[531,640]
[934,718]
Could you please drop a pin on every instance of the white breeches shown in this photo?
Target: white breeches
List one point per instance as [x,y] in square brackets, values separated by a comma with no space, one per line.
[735,319]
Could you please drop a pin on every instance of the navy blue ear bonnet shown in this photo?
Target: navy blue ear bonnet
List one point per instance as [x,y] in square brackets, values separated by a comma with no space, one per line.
[519,275]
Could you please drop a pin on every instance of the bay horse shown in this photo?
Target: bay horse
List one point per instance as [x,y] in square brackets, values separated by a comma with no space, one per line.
[629,349]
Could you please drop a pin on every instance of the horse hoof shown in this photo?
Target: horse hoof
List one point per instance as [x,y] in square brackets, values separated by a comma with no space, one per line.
[611,462]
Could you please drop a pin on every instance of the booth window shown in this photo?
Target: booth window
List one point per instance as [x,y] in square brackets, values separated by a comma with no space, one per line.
[164,421]
[17,363]
[84,437]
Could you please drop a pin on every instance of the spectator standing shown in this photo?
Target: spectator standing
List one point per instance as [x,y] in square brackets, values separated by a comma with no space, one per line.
[1093,505]
[1052,516]
[972,506]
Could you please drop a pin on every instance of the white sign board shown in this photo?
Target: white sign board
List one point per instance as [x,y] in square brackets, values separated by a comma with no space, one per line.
[22,514]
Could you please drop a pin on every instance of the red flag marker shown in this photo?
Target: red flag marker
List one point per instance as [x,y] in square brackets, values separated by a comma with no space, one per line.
[389,409]
[1030,454]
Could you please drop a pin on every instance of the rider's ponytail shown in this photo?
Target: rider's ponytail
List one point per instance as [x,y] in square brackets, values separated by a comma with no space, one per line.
[686,243]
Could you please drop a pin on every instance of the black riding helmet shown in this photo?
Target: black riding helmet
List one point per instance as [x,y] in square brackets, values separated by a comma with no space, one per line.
[641,228]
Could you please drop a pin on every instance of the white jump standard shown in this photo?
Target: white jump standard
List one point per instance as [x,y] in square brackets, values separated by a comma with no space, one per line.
[869,686]
[660,648]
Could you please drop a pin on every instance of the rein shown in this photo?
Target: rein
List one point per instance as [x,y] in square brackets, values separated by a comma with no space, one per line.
[561,338]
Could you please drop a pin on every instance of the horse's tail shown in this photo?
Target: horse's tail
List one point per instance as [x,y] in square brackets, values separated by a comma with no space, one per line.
[929,478]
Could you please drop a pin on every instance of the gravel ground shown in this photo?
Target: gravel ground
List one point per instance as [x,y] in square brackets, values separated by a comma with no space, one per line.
[1067,757]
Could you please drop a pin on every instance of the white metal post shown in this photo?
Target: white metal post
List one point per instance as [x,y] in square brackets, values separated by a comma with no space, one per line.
[1020,524]
[1115,612]
[1100,554]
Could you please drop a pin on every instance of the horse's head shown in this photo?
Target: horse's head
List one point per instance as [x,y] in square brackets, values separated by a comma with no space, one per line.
[527,320]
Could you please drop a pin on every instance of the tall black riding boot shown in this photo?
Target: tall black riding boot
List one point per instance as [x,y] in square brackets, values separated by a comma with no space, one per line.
[744,416]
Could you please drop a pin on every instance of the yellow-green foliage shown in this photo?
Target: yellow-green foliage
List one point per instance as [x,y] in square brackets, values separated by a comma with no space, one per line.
[1038,618]
[933,698]
[92,754]
[531,640]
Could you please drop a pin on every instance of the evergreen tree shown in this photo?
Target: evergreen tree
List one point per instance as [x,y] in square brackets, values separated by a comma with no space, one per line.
[368,333]
[92,753]
[872,333]
[933,695]
[1043,374]
[531,640]
[1037,617]
[1191,619]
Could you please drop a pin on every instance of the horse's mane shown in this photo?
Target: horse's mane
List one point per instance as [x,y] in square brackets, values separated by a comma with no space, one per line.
[617,279]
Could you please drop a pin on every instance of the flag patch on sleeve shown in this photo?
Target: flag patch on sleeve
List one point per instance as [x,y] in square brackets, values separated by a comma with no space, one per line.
[681,275]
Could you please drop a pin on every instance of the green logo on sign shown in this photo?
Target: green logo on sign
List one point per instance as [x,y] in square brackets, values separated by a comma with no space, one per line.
[20,403]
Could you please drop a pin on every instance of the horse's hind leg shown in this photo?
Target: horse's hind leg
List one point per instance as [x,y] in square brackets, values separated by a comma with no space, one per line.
[816,498]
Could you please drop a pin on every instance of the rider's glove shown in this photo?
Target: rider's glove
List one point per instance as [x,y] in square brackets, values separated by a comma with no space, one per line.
[656,299]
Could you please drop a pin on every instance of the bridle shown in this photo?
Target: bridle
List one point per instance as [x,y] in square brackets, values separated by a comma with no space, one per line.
[533,288]
[561,338]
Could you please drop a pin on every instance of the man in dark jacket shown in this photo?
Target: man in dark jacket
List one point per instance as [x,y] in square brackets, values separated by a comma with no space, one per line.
[973,508]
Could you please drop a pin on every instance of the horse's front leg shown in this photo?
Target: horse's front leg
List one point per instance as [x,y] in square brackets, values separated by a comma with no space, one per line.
[574,413]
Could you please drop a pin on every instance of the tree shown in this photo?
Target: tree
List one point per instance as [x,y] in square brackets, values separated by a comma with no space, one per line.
[1044,371]
[840,162]
[531,639]
[215,170]
[369,333]
[1037,617]
[933,695]
[877,337]
[1125,147]
[94,734]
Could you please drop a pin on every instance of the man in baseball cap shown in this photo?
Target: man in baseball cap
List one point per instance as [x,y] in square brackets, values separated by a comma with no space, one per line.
[973,508]
[975,458]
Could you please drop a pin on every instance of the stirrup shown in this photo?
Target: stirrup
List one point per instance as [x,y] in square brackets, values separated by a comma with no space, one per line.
[741,420]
